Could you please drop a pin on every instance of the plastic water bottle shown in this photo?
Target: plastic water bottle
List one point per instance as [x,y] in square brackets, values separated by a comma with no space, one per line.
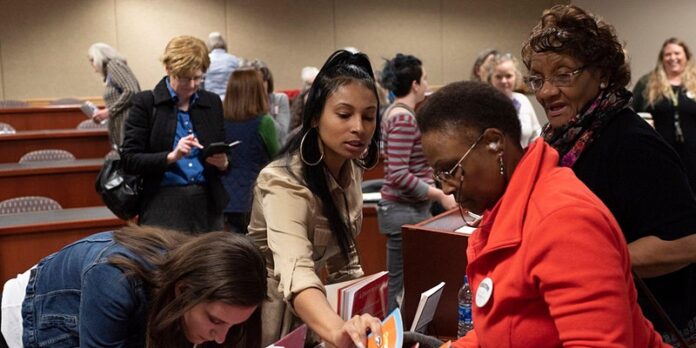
[466,322]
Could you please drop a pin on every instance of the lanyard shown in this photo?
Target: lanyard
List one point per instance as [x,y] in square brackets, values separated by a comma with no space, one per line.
[678,133]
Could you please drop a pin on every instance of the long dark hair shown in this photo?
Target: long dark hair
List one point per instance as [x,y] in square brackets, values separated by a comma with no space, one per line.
[342,68]
[215,266]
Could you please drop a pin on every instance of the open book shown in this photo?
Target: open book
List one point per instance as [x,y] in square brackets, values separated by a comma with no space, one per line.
[363,295]
[392,333]
[426,308]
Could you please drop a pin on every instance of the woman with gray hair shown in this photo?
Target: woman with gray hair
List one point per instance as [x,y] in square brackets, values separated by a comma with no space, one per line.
[121,85]
[222,64]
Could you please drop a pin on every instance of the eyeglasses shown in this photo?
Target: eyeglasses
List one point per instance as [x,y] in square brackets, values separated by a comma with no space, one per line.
[535,82]
[187,80]
[448,176]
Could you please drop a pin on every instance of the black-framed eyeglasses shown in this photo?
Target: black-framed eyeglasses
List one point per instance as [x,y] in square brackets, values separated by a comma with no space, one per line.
[448,176]
[535,82]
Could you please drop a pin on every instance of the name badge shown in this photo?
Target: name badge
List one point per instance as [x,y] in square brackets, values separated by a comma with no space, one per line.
[484,292]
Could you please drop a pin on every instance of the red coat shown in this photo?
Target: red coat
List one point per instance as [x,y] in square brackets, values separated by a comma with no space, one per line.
[559,265]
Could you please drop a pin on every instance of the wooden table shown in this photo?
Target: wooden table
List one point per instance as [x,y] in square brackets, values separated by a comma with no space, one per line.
[71,183]
[433,252]
[42,118]
[82,143]
[27,238]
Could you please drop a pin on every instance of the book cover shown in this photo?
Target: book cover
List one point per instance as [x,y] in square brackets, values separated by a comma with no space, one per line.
[368,295]
[427,307]
[294,339]
[392,333]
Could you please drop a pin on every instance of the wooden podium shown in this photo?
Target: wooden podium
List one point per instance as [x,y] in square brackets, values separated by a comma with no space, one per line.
[433,252]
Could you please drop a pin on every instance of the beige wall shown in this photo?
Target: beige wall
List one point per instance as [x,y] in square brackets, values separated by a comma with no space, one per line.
[43,43]
[644,26]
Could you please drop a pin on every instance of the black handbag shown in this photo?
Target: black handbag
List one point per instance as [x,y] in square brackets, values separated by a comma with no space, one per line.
[119,191]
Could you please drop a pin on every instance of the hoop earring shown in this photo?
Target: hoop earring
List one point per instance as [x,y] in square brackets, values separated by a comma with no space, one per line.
[361,162]
[500,160]
[302,150]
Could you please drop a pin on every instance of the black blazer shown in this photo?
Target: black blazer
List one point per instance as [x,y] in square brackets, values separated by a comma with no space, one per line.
[148,138]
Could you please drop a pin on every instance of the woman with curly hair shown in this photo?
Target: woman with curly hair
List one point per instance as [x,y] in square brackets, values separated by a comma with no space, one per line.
[578,72]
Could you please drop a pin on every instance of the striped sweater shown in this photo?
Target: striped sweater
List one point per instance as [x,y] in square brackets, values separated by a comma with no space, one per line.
[121,86]
[407,175]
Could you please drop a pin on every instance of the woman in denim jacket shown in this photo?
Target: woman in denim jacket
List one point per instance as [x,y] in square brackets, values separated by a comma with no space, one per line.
[142,286]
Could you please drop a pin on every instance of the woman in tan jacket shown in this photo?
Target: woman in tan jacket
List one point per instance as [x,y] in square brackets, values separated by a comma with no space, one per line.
[307,206]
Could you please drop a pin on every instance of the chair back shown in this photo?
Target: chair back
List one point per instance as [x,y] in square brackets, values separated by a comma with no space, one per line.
[27,204]
[9,103]
[89,124]
[47,155]
[6,128]
[66,101]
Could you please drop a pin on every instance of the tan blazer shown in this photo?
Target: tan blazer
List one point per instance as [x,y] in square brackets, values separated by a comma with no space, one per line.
[288,226]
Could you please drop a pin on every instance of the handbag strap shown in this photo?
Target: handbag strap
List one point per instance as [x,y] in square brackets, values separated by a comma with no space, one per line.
[660,311]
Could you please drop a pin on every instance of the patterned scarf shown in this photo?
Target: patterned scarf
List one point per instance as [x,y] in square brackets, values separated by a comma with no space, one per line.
[574,137]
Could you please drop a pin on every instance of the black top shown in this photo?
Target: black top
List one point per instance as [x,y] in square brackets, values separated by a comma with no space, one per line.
[150,137]
[663,116]
[642,181]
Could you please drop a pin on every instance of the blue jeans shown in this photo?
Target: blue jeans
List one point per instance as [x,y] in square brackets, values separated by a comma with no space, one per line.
[391,216]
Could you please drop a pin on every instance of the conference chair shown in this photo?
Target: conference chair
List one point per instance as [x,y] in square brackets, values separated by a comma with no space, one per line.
[66,101]
[47,155]
[9,103]
[6,128]
[28,204]
[89,124]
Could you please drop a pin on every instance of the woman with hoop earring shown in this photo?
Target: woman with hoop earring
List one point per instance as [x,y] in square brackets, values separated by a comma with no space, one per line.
[307,207]
[546,251]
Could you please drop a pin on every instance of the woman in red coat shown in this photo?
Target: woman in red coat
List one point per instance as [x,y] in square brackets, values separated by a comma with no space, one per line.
[548,264]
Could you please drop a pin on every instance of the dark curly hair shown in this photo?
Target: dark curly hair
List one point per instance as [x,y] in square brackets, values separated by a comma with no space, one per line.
[399,72]
[568,29]
[469,104]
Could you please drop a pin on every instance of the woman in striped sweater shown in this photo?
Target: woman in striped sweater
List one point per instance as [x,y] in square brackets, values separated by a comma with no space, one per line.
[408,183]
[120,87]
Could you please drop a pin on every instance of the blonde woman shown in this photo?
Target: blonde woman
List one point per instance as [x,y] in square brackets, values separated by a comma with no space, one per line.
[504,74]
[668,94]
[164,135]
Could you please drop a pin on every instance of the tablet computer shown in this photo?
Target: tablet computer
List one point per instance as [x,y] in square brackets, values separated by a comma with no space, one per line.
[219,147]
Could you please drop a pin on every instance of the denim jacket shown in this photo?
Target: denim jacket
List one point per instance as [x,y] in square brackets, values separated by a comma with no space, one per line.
[75,297]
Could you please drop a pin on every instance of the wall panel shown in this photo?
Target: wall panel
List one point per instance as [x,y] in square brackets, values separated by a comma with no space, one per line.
[287,35]
[44,46]
[384,28]
[145,27]
[43,43]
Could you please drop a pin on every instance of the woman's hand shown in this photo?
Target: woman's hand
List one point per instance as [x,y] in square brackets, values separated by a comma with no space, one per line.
[219,160]
[448,202]
[353,333]
[100,115]
[183,148]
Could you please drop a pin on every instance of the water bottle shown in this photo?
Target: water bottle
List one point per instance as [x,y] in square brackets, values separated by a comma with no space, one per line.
[466,322]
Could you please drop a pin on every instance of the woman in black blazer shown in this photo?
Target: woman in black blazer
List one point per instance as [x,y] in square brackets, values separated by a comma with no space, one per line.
[164,134]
